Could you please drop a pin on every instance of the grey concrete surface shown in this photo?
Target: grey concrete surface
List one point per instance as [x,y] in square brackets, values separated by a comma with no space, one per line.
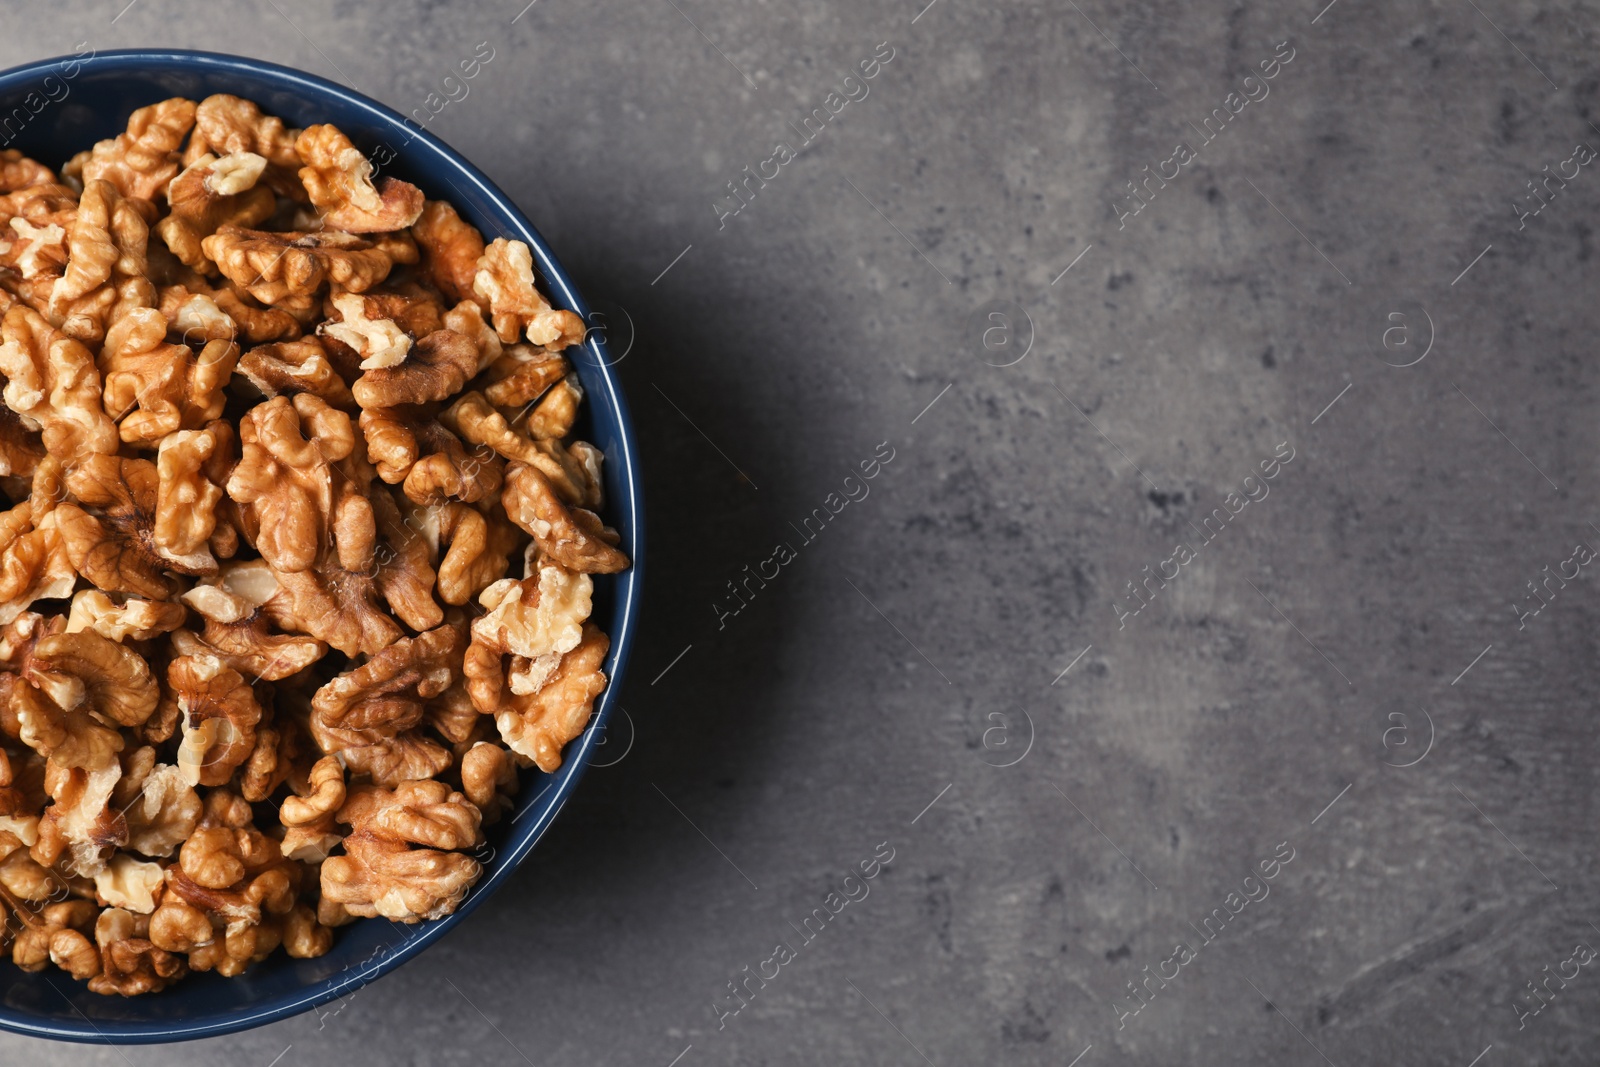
[1068,792]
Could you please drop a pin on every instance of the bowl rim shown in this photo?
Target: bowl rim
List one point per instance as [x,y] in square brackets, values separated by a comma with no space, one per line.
[628,592]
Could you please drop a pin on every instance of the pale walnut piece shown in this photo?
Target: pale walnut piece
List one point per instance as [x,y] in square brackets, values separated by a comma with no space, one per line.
[213,192]
[466,318]
[516,307]
[538,725]
[17,171]
[153,388]
[572,537]
[122,619]
[554,415]
[377,340]
[52,382]
[451,248]
[436,368]
[141,161]
[381,873]
[287,269]
[199,313]
[338,179]
[537,619]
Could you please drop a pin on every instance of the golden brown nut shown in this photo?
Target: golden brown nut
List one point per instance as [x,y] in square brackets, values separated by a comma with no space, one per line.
[285,477]
[338,605]
[129,963]
[539,618]
[56,935]
[436,368]
[339,180]
[34,562]
[287,269]
[538,725]
[573,472]
[51,381]
[309,820]
[572,537]
[553,416]
[186,500]
[238,630]
[213,192]
[522,375]
[405,568]
[381,874]
[17,171]
[106,268]
[141,161]
[450,249]
[153,388]
[505,283]
[430,461]
[220,714]
[226,925]
[367,715]
[115,547]
[478,552]
[289,367]
[86,670]
[489,779]
[225,124]
[21,448]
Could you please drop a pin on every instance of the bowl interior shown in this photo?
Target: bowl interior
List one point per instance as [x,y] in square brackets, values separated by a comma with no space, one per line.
[54,109]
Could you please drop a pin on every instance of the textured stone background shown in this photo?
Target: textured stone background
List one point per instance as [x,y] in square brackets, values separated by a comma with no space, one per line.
[911,648]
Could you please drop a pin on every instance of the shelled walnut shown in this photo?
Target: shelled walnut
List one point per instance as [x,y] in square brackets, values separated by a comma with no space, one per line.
[297,552]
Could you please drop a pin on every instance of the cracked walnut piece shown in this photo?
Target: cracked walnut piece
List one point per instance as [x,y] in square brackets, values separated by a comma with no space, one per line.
[275,433]
[339,180]
[381,874]
[141,161]
[505,282]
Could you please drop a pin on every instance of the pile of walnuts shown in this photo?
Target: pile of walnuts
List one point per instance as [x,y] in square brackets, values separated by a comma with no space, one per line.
[296,571]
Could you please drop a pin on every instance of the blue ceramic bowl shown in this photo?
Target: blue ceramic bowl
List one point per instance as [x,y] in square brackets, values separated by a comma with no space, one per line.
[55,108]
